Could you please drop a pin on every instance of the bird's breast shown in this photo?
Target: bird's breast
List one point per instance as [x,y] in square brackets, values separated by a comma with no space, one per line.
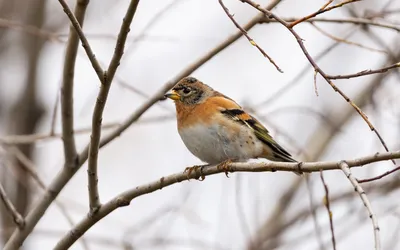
[214,142]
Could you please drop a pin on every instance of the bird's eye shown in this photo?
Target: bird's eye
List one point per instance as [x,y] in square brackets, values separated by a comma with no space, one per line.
[186,91]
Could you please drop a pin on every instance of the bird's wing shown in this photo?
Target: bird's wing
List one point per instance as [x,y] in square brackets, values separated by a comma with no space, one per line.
[233,111]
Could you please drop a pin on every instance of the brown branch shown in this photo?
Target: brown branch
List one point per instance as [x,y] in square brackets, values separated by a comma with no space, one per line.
[97,118]
[345,166]
[54,112]
[126,197]
[244,32]
[67,87]
[379,176]
[323,9]
[317,68]
[357,21]
[80,4]
[365,72]
[18,219]
[328,209]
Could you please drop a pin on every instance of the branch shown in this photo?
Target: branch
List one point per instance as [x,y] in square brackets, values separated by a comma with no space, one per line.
[366,72]
[244,32]
[345,166]
[67,87]
[126,197]
[323,9]
[379,176]
[18,219]
[97,118]
[318,69]
[76,23]
[357,21]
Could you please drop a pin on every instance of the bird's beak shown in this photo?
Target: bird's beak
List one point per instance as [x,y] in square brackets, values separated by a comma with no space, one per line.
[173,96]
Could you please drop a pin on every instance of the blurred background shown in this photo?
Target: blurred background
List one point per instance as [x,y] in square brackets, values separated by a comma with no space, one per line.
[248,210]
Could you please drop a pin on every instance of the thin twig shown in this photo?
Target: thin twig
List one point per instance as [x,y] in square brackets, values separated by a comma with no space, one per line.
[317,68]
[18,219]
[315,83]
[357,21]
[379,176]
[54,113]
[345,166]
[244,32]
[76,23]
[323,9]
[32,138]
[365,72]
[124,199]
[328,209]
[67,86]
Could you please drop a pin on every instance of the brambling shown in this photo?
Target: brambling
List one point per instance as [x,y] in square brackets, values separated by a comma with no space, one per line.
[217,130]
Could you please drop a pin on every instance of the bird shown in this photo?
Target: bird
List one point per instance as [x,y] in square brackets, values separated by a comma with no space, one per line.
[217,130]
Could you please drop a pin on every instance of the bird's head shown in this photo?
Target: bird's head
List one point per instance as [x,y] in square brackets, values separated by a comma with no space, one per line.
[189,91]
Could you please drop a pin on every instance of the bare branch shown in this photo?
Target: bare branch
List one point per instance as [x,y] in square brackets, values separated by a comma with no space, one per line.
[366,72]
[244,32]
[323,9]
[126,197]
[67,88]
[357,21]
[18,219]
[345,166]
[379,176]
[77,23]
[97,118]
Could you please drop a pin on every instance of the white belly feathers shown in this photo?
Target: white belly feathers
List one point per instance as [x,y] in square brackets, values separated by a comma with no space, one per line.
[213,145]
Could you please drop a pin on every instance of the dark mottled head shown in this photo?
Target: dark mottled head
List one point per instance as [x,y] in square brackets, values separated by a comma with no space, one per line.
[190,91]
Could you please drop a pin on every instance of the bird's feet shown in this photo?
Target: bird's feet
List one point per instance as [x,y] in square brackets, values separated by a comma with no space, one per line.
[195,168]
[225,166]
